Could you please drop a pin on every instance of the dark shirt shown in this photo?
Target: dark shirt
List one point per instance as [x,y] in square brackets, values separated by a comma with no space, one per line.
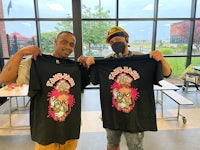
[55,90]
[126,92]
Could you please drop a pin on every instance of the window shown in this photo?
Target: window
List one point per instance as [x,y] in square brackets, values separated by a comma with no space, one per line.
[55,9]
[196,38]
[17,9]
[172,37]
[136,8]
[98,9]
[140,34]
[17,34]
[169,26]
[198,9]
[174,9]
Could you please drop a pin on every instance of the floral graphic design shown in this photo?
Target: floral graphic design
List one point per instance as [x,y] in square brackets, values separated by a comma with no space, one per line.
[123,95]
[60,101]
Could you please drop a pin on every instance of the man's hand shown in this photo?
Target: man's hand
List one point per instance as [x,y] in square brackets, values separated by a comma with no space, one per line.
[157,55]
[86,61]
[30,50]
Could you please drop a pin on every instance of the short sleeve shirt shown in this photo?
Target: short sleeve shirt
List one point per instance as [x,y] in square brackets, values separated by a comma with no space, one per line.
[126,92]
[55,90]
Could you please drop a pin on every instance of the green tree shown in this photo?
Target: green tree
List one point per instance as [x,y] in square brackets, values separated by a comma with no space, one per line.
[64,25]
[93,31]
[47,41]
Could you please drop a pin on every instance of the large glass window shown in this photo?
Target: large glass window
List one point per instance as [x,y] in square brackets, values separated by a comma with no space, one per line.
[18,34]
[140,34]
[26,28]
[136,8]
[94,33]
[172,37]
[177,65]
[174,9]
[196,39]
[196,44]
[167,27]
[55,9]
[98,9]
[198,9]
[18,9]
[195,61]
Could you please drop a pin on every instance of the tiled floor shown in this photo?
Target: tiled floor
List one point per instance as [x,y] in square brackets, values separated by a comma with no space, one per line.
[172,134]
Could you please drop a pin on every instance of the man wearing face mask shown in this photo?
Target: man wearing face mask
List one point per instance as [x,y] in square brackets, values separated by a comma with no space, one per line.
[118,38]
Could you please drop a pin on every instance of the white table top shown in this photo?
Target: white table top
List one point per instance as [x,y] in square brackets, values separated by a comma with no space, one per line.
[23,90]
[165,86]
[16,91]
[196,68]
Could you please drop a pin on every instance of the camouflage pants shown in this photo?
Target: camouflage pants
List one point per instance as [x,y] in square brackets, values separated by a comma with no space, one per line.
[134,140]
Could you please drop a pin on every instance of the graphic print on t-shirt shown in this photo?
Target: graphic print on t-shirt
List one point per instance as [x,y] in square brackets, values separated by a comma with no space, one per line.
[60,99]
[123,95]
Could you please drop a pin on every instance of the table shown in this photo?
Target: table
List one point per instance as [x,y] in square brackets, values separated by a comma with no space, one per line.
[16,91]
[165,85]
[196,68]
[193,78]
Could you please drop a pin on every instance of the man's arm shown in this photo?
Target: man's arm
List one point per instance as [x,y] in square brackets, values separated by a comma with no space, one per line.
[166,68]
[86,61]
[157,55]
[10,70]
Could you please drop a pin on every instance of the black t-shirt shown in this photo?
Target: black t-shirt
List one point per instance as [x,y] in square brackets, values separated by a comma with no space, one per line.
[126,92]
[55,89]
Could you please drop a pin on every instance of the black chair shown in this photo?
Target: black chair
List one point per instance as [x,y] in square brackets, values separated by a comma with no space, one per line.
[2,99]
[193,78]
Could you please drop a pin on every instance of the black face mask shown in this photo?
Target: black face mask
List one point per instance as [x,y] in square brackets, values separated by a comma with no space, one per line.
[118,47]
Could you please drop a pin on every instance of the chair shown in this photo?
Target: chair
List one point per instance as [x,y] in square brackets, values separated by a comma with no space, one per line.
[2,99]
[190,76]
[193,78]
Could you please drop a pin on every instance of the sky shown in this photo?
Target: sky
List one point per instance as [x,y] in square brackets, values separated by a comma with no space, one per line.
[127,8]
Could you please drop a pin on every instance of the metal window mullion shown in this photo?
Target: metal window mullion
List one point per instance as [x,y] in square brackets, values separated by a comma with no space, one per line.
[155,20]
[38,31]
[77,27]
[192,26]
